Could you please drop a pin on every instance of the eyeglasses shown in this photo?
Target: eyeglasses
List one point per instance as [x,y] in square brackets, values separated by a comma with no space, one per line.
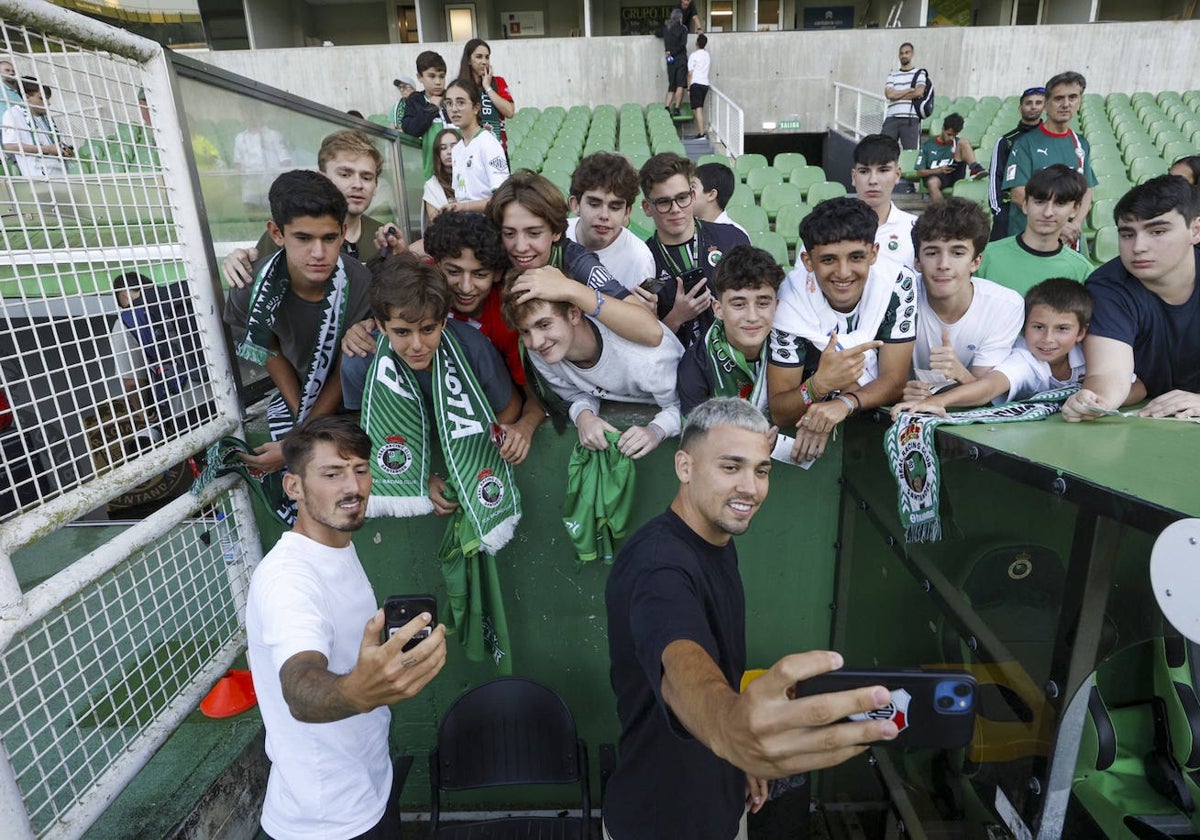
[683,201]
[1032,91]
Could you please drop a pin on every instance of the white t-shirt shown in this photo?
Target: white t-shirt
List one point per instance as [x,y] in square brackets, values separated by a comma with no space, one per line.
[327,779]
[19,126]
[260,154]
[726,219]
[479,167]
[698,63]
[1028,375]
[131,363]
[625,372]
[627,258]
[983,336]
[894,237]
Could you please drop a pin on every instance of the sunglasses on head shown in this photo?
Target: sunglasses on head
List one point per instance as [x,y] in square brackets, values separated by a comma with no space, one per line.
[1032,91]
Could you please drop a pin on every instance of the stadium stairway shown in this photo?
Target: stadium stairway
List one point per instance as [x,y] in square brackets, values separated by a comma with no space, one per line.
[697,147]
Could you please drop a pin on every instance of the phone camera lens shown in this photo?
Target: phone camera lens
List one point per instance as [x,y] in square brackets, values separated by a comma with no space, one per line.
[962,689]
[945,702]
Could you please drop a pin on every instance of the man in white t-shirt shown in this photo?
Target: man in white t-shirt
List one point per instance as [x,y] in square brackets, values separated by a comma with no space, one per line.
[259,153]
[323,676]
[603,189]
[965,325]
[32,137]
[698,65]
[904,88]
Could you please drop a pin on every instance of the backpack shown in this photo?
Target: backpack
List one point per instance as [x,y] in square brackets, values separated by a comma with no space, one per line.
[924,105]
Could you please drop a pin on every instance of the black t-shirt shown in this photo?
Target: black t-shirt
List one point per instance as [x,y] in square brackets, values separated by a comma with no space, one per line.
[704,250]
[669,584]
[675,40]
[694,379]
[1165,338]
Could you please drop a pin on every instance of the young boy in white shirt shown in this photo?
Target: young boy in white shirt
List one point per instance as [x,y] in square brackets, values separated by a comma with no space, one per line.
[965,325]
[1047,356]
[603,189]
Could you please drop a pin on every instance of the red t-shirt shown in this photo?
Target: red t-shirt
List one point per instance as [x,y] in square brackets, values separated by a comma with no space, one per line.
[491,324]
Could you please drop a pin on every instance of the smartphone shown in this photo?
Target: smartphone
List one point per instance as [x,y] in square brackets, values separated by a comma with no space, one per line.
[691,278]
[654,285]
[398,610]
[930,708]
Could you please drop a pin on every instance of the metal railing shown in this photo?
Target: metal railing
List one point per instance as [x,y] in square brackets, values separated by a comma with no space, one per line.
[857,112]
[727,121]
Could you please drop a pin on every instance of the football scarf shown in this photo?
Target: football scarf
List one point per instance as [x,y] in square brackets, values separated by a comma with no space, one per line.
[394,417]
[733,376]
[270,285]
[909,444]
[224,457]
[599,500]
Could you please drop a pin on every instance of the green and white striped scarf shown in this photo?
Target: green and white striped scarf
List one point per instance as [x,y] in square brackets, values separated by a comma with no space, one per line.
[913,457]
[270,285]
[733,376]
[394,417]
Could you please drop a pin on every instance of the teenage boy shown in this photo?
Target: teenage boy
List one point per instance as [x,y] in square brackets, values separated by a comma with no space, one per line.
[1054,141]
[323,677]
[532,217]
[1047,356]
[582,361]
[603,189]
[350,160]
[1147,318]
[1052,199]
[714,184]
[686,251]
[292,318]
[698,66]
[945,159]
[1033,101]
[423,115]
[844,329]
[466,248]
[965,325]
[411,301]
[32,136]
[875,174]
[731,360]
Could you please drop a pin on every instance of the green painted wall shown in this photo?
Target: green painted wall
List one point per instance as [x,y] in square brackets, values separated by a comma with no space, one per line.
[556,612]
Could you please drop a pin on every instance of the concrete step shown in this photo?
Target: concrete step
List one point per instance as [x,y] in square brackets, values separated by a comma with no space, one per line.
[696,148]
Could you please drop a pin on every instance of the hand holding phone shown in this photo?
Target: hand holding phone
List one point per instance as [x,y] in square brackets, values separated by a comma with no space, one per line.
[930,708]
[654,285]
[399,610]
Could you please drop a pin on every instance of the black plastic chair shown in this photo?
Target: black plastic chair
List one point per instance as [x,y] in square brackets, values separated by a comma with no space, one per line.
[509,731]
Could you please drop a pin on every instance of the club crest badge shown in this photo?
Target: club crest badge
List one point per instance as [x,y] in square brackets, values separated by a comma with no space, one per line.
[394,457]
[489,490]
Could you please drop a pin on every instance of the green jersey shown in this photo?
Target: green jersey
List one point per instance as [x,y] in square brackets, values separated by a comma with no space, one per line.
[1012,263]
[1037,149]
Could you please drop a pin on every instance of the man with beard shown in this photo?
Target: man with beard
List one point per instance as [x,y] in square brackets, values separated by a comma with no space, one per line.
[694,752]
[323,678]
[1033,102]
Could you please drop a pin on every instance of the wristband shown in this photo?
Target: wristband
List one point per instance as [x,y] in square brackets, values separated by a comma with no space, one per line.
[808,400]
[857,402]
[599,304]
[842,398]
[658,433]
[812,390]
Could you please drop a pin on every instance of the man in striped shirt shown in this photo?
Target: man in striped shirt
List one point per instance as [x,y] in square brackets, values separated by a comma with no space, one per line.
[904,87]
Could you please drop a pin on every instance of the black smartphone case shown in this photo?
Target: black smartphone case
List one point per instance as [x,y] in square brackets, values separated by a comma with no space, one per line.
[913,707]
[398,610]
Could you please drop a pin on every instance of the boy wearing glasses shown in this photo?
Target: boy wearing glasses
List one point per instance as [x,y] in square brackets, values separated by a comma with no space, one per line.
[1033,101]
[686,251]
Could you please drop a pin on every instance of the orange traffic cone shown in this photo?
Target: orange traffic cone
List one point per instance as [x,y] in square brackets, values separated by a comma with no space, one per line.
[232,695]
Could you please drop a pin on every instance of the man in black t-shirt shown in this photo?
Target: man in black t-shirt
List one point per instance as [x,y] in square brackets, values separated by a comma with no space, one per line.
[675,47]
[1147,317]
[677,643]
[686,251]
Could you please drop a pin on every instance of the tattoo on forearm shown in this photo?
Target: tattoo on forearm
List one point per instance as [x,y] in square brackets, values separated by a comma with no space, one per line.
[313,694]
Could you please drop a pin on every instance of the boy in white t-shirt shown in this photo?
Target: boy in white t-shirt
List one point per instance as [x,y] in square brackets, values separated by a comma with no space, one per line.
[1047,356]
[698,65]
[965,325]
[603,189]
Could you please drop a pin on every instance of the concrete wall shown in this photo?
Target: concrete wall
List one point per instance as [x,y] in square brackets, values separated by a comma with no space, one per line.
[349,23]
[772,75]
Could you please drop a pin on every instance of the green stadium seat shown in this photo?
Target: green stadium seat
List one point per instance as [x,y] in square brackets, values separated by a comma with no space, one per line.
[721,159]
[805,176]
[1101,214]
[1144,168]
[976,191]
[1107,245]
[775,245]
[1113,187]
[1176,149]
[746,162]
[758,178]
[787,161]
[775,196]
[908,163]
[639,221]
[826,189]
[787,222]
[742,196]
[752,217]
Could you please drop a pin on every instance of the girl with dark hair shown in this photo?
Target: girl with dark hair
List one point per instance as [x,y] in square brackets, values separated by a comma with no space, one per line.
[439,189]
[496,103]
[478,162]
[1187,168]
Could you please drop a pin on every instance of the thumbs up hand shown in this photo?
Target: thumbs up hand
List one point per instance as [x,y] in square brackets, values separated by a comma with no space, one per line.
[945,360]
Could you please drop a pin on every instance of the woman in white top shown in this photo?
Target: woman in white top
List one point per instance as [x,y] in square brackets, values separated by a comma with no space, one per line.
[439,189]
[478,160]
